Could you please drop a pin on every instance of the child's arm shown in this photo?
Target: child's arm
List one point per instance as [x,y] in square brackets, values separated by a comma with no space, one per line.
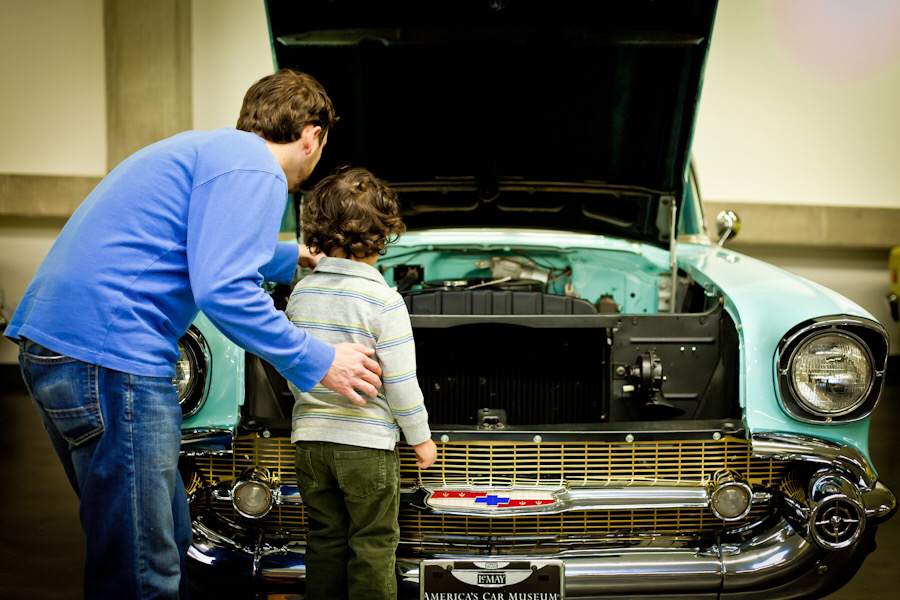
[396,351]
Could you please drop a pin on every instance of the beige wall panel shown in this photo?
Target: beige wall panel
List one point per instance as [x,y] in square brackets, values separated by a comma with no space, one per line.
[805,225]
[23,245]
[148,73]
[43,195]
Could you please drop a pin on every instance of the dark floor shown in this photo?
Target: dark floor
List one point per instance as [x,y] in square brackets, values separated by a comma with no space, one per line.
[41,545]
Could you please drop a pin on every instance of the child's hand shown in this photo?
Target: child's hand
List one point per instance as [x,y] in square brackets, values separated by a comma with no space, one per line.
[426,452]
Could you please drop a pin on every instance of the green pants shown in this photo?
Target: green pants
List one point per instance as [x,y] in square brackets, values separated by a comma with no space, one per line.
[352,498]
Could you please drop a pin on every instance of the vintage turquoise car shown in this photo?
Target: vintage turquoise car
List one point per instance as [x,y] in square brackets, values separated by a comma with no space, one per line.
[622,408]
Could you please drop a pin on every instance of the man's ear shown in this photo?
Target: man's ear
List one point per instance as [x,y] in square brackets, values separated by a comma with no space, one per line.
[309,137]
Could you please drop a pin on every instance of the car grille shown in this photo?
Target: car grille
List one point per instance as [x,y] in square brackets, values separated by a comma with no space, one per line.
[510,463]
[457,385]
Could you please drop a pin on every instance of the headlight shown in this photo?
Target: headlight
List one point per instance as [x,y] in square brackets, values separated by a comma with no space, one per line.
[832,371]
[191,370]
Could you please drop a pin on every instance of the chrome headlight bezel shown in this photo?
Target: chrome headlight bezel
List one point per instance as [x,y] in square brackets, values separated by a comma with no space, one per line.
[193,347]
[259,483]
[869,335]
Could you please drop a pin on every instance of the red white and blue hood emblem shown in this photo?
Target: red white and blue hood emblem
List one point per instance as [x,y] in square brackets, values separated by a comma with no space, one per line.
[483,500]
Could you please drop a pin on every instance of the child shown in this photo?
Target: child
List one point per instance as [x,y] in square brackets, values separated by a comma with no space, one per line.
[347,463]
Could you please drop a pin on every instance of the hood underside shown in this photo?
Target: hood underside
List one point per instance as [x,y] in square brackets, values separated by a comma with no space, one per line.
[573,115]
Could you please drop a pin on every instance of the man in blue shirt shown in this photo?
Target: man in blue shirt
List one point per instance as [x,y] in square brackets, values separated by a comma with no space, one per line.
[189,223]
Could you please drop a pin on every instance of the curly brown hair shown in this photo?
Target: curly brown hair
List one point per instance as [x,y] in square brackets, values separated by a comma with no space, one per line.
[279,106]
[354,211]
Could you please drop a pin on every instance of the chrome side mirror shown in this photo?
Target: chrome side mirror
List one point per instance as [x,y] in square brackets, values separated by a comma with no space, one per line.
[728,224]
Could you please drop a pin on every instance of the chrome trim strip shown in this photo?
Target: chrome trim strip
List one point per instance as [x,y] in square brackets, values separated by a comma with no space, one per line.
[203,368]
[781,553]
[880,503]
[636,497]
[204,442]
[785,446]
[193,435]
[288,494]
[580,499]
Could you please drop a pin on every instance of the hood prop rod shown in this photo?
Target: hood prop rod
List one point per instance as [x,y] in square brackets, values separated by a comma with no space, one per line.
[673,235]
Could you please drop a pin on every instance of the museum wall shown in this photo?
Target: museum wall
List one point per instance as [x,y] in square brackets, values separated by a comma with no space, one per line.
[797,128]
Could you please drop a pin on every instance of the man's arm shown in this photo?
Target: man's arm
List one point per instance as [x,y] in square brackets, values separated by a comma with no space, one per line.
[288,256]
[308,259]
[283,266]
[232,226]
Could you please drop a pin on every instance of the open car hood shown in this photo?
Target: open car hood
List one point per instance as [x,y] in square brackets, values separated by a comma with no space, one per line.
[573,115]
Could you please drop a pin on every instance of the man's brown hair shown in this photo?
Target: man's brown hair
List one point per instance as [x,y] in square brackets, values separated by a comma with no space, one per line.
[352,210]
[279,106]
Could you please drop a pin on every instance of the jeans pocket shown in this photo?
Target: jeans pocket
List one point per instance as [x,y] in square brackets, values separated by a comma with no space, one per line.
[306,475]
[35,353]
[361,472]
[64,391]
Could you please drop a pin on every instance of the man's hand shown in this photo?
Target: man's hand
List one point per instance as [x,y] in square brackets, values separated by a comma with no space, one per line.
[353,372]
[308,259]
[426,452]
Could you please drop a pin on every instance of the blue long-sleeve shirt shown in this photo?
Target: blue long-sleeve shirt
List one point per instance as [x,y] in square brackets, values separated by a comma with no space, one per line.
[188,223]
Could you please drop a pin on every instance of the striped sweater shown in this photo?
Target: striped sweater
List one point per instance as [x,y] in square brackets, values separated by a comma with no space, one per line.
[349,301]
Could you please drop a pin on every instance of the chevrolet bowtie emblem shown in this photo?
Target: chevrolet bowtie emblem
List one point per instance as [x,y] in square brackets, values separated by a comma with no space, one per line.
[488,500]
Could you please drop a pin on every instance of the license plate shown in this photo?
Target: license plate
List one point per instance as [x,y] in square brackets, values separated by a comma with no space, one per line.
[491,580]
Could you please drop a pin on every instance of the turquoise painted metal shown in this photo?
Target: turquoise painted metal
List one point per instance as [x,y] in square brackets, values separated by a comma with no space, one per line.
[225,382]
[629,271]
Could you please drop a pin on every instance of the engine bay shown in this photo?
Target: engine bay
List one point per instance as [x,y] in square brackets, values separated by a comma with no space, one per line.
[524,337]
[601,281]
[517,339]
[521,338]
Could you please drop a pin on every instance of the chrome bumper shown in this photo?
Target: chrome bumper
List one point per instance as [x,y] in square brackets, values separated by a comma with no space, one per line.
[653,567]
[772,559]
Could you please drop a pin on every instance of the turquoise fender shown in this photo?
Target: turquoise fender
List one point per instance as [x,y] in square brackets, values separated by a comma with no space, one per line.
[766,302]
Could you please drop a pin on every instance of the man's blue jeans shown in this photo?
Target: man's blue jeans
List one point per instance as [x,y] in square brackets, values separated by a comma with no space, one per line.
[118,437]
